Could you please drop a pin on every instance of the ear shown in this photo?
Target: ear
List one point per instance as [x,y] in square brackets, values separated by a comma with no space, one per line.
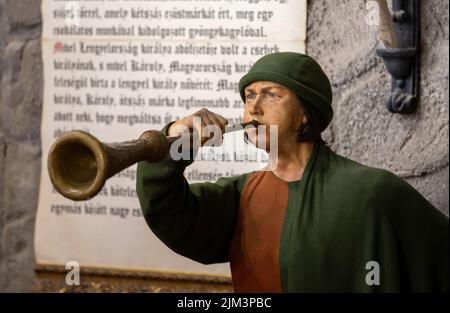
[304,119]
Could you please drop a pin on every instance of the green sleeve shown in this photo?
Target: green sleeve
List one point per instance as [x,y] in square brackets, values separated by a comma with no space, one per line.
[421,232]
[197,220]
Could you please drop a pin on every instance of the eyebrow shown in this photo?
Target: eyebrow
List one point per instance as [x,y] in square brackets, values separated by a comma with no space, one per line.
[265,89]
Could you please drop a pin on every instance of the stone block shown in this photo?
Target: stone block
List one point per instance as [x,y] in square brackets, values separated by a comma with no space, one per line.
[21,91]
[17,270]
[21,186]
[23,13]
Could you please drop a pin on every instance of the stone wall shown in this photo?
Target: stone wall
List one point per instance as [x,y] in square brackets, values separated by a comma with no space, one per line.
[20,152]
[414,147]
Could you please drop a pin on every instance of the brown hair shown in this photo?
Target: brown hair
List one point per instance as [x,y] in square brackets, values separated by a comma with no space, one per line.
[311,131]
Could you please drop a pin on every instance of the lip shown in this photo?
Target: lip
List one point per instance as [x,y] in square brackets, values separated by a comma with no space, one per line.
[255,122]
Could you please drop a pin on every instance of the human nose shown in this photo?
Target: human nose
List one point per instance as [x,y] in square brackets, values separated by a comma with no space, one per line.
[254,106]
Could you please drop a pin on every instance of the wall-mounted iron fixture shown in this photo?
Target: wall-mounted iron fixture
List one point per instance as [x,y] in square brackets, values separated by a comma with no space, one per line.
[403,61]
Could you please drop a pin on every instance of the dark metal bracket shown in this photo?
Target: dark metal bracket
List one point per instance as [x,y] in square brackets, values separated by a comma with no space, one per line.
[403,63]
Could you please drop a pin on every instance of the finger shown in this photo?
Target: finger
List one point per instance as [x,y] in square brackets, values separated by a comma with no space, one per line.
[210,129]
[187,121]
[178,128]
[218,130]
[221,119]
[201,121]
[197,127]
[217,121]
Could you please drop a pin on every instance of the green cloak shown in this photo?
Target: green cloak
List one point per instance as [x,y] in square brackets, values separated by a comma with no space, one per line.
[340,217]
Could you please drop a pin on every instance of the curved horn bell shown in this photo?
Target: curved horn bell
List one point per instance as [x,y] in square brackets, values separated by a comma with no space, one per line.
[79,164]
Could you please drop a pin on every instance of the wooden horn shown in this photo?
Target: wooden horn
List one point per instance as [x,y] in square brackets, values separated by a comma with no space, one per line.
[79,164]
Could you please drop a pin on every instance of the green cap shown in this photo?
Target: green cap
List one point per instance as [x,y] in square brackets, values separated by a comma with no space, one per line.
[298,72]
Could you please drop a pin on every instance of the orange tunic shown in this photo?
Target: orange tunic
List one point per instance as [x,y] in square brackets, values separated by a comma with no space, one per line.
[255,247]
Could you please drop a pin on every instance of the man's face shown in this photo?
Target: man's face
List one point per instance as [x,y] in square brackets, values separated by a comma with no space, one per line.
[273,104]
